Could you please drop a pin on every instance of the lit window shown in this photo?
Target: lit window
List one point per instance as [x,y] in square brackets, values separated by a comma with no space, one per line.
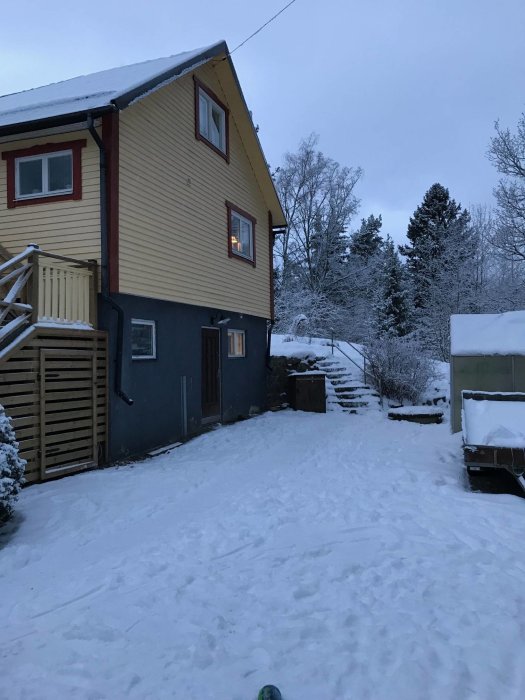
[241,234]
[236,343]
[44,175]
[143,339]
[211,119]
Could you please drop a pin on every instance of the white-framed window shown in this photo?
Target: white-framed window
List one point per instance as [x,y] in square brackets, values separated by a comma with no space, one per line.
[143,339]
[212,121]
[44,175]
[241,235]
[236,343]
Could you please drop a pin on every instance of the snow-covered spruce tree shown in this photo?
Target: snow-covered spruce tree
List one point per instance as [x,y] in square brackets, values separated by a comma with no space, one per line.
[11,467]
[427,232]
[393,305]
[451,290]
[367,241]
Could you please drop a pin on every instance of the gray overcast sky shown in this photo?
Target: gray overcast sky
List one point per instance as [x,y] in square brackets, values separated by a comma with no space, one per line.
[407,89]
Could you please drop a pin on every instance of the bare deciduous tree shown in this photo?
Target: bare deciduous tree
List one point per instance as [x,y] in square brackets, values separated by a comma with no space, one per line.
[318,198]
[507,153]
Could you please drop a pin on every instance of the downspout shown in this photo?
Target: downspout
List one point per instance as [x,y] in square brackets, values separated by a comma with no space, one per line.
[271,324]
[104,279]
[104,256]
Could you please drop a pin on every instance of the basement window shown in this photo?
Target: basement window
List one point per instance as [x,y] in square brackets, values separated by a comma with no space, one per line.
[46,173]
[211,120]
[143,339]
[236,343]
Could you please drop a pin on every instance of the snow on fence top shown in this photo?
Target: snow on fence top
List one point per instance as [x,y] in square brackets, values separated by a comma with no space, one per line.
[494,423]
[94,91]
[488,334]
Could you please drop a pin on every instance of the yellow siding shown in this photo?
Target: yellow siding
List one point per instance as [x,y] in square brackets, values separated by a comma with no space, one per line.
[70,227]
[173,224]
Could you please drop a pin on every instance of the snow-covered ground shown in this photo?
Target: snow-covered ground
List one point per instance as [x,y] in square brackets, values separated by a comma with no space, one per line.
[339,557]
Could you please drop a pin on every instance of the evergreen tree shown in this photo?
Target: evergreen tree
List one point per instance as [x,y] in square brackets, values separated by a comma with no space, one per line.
[329,255]
[393,304]
[11,467]
[428,229]
[366,241]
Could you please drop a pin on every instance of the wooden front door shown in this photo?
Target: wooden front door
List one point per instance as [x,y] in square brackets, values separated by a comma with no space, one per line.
[211,374]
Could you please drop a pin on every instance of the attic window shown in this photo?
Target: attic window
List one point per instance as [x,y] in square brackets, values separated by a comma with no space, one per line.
[211,120]
[47,173]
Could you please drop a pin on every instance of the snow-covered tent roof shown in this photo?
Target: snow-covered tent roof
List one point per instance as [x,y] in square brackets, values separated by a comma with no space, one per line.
[488,334]
[70,100]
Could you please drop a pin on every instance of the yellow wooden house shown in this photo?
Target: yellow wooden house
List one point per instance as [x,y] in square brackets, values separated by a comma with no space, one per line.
[137,217]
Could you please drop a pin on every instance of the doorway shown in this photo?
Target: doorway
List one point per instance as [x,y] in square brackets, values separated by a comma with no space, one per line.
[211,374]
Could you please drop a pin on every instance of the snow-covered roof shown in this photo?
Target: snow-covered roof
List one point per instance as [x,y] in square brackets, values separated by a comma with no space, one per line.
[97,92]
[488,334]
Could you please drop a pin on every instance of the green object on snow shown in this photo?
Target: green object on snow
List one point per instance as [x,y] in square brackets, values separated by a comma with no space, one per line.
[269,692]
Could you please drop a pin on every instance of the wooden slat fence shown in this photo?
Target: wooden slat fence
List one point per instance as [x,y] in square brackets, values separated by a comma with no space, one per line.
[54,388]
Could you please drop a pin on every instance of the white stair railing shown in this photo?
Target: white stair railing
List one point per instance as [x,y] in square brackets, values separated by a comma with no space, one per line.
[39,287]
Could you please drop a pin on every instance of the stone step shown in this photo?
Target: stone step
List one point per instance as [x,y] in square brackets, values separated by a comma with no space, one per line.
[343,381]
[342,388]
[353,404]
[345,393]
[349,395]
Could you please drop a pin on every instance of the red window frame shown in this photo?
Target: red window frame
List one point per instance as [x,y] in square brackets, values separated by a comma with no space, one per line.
[231,253]
[11,156]
[198,135]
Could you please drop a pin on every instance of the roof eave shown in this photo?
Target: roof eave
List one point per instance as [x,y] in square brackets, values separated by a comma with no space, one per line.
[50,122]
[126,98]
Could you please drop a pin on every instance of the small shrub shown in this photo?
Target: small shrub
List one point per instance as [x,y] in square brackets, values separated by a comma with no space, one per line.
[11,467]
[398,368]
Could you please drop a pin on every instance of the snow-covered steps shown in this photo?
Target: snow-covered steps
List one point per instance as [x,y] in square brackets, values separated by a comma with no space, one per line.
[345,388]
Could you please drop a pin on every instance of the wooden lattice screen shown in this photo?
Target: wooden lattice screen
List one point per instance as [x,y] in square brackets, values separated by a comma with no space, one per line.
[54,387]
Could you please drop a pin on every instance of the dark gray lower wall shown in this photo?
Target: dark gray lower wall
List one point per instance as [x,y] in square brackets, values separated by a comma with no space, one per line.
[159,415]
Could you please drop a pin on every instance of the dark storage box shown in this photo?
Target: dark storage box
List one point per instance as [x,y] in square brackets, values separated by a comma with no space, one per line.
[307,392]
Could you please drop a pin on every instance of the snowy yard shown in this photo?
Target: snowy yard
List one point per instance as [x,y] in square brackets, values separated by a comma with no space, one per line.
[339,557]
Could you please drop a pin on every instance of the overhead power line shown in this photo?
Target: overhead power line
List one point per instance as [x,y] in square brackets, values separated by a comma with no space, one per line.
[262,27]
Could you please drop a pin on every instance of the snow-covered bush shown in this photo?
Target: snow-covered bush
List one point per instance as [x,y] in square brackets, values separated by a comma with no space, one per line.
[398,368]
[11,467]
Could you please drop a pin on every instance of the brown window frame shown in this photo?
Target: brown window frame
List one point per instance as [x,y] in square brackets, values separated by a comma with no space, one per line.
[201,86]
[11,156]
[231,253]
[235,356]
